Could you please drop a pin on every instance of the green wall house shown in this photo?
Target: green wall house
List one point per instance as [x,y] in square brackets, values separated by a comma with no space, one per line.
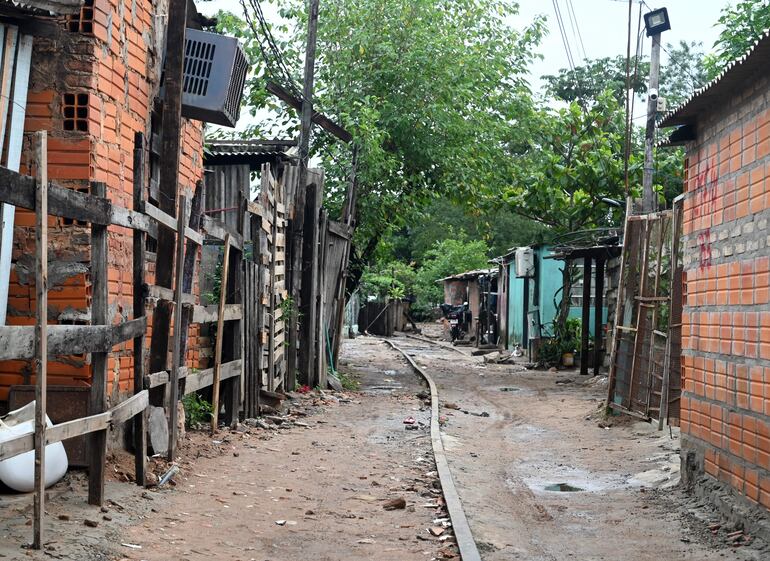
[529,304]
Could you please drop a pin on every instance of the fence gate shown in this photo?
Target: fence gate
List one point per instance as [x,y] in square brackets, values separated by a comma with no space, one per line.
[648,321]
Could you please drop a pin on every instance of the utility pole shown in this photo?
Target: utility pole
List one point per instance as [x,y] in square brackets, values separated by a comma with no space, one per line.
[301,363]
[649,201]
[655,22]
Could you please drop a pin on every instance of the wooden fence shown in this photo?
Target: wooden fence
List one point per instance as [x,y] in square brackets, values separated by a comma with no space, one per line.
[251,350]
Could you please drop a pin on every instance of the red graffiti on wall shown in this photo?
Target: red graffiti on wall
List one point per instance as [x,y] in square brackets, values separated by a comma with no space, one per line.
[706,191]
[706,194]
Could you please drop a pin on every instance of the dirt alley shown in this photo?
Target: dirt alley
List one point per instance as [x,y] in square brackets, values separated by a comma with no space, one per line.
[315,487]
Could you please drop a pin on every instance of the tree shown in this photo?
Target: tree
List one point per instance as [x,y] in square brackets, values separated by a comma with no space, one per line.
[742,25]
[571,168]
[683,73]
[447,257]
[586,83]
[433,92]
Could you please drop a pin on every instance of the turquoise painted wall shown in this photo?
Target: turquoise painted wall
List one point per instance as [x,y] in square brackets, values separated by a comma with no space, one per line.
[549,283]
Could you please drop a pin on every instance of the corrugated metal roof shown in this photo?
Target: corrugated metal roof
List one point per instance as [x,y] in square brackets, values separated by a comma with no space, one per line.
[248,151]
[54,7]
[752,64]
[470,274]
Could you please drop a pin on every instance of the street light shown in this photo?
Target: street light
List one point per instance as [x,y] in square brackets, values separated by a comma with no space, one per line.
[656,22]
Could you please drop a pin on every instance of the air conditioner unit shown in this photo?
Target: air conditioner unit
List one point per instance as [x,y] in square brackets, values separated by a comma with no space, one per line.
[214,76]
[525,262]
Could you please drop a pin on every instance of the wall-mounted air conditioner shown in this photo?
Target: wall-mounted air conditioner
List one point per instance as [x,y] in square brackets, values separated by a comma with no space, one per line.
[214,76]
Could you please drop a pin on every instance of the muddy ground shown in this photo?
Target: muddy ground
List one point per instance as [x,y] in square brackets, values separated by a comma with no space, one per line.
[541,474]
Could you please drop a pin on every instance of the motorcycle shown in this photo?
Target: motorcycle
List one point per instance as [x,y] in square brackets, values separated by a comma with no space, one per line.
[459,318]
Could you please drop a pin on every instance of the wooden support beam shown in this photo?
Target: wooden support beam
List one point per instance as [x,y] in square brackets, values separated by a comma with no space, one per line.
[97,442]
[172,224]
[169,178]
[140,262]
[41,338]
[220,327]
[167,295]
[177,341]
[18,342]
[318,118]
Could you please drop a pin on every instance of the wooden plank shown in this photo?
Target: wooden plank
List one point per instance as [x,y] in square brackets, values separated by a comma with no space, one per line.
[341,230]
[177,337]
[205,378]
[255,209]
[159,378]
[17,342]
[271,294]
[220,328]
[121,413]
[172,224]
[209,314]
[129,408]
[97,403]
[167,295]
[41,337]
[140,262]
[221,231]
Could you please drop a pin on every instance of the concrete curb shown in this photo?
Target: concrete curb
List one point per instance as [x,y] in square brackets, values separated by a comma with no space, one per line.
[462,531]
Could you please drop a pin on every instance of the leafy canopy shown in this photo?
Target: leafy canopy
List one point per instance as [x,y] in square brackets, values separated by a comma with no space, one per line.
[742,25]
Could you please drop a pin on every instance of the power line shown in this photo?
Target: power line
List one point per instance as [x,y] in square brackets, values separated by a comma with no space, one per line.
[562,31]
[575,27]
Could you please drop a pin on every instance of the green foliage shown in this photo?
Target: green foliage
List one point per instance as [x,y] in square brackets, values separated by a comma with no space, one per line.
[447,257]
[388,280]
[742,24]
[683,73]
[434,92]
[573,162]
[197,410]
[213,296]
[348,382]
[586,83]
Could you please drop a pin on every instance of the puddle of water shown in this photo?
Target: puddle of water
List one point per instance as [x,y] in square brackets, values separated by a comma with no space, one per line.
[562,488]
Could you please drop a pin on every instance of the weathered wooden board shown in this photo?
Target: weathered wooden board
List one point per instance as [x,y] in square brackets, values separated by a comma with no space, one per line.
[205,378]
[17,342]
[220,230]
[208,314]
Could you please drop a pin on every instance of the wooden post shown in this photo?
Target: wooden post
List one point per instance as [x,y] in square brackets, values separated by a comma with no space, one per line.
[41,334]
[176,359]
[599,301]
[586,320]
[220,328]
[169,177]
[190,256]
[99,316]
[307,354]
[271,295]
[140,258]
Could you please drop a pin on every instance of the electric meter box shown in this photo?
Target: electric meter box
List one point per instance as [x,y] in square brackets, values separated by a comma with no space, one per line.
[525,262]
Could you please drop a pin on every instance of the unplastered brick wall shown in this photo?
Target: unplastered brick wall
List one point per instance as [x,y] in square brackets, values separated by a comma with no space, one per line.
[92,88]
[726,320]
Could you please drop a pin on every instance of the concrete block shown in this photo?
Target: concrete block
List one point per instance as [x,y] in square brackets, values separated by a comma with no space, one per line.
[740,248]
[748,228]
[728,250]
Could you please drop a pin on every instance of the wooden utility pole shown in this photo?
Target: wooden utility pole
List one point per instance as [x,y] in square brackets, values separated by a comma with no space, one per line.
[41,335]
[649,201]
[169,180]
[298,223]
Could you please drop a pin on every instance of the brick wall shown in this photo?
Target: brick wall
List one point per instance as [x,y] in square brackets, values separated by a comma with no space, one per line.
[92,88]
[726,320]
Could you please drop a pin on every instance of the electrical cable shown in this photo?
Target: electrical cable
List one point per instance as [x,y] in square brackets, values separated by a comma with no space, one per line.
[562,31]
[575,27]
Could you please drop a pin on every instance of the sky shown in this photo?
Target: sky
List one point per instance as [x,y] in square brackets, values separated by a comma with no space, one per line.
[602,25]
